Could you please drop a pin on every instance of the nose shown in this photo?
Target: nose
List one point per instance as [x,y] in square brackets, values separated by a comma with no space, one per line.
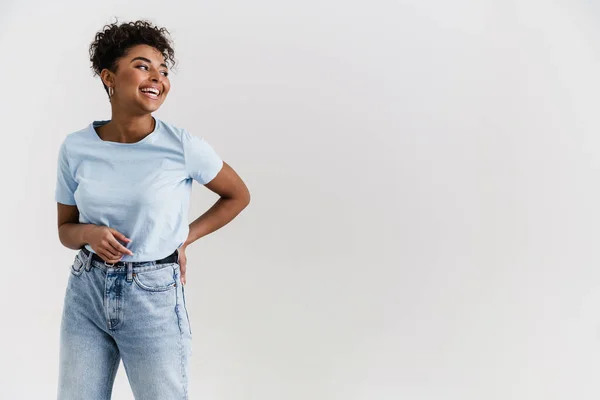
[155,76]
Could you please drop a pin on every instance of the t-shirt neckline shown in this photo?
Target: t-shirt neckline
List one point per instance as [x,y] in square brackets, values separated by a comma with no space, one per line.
[97,123]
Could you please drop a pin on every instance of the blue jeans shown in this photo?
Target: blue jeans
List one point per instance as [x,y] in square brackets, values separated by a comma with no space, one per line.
[135,312]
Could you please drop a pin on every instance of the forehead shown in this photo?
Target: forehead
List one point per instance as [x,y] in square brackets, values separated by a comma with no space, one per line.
[145,51]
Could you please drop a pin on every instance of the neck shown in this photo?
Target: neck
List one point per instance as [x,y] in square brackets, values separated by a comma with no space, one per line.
[128,128]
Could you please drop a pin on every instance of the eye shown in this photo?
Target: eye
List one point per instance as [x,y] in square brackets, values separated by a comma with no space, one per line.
[145,66]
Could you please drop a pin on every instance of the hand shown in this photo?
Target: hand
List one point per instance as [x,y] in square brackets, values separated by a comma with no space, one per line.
[182,263]
[103,240]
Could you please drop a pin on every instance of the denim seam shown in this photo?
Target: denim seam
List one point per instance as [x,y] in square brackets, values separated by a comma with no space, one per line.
[186,310]
[178,313]
[181,357]
[112,372]
[180,341]
[119,313]
[105,305]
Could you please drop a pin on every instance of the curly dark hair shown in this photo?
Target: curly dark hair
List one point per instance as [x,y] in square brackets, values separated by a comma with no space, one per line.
[114,40]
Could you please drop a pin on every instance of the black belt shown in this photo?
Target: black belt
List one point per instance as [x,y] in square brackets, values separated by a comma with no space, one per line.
[170,259]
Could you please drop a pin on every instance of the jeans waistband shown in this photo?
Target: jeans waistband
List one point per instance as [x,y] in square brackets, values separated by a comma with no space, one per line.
[172,258]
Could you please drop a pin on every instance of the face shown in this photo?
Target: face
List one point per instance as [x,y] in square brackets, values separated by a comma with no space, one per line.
[141,68]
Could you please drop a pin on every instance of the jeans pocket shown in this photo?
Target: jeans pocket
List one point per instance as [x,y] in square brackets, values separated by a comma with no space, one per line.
[77,266]
[157,280]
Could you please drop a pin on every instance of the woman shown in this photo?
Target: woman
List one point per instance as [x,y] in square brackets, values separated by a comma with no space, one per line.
[123,191]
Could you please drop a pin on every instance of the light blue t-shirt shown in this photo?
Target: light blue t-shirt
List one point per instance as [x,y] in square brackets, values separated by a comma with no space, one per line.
[140,189]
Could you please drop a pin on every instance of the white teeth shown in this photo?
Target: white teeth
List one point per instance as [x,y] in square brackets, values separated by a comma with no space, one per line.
[150,90]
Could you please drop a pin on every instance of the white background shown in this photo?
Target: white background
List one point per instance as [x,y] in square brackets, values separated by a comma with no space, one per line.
[424,180]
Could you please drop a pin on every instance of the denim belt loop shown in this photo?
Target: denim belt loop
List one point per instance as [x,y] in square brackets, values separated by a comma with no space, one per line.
[129,271]
[87,261]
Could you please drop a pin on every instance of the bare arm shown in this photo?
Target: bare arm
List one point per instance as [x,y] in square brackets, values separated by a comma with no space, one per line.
[234,198]
[71,233]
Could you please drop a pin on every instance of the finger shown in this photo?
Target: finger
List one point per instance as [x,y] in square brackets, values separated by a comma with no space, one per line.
[107,258]
[119,247]
[113,249]
[119,235]
[110,251]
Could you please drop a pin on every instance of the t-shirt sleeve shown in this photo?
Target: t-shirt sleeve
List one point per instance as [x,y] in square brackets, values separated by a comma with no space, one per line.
[65,183]
[201,160]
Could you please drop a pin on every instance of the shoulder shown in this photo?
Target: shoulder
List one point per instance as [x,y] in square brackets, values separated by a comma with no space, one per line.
[182,135]
[172,129]
[75,139]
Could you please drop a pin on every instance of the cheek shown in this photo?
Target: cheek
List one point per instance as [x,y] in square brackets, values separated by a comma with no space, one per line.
[133,79]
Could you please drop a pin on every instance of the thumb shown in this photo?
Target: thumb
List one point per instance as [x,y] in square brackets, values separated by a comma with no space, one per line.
[119,235]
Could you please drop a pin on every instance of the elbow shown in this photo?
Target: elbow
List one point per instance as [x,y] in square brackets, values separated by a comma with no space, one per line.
[240,197]
[246,198]
[60,235]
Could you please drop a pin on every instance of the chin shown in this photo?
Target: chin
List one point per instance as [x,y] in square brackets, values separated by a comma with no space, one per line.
[148,108]
[151,104]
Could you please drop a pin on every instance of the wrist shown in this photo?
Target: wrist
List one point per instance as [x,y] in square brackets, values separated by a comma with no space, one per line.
[85,232]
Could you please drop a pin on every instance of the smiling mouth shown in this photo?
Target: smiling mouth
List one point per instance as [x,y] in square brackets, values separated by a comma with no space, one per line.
[150,95]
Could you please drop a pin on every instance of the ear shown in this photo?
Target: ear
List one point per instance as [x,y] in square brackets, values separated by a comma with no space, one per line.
[107,77]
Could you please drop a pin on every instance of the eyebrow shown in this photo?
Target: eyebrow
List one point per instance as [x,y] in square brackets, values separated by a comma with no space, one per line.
[148,61]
